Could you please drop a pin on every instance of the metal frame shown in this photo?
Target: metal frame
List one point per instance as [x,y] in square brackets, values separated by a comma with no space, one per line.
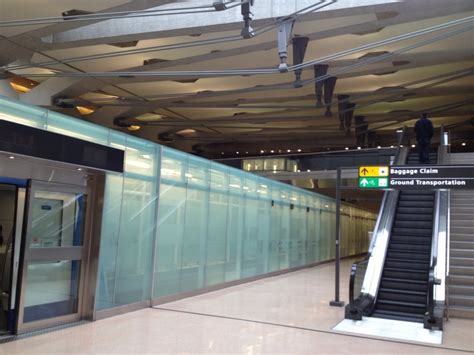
[68,253]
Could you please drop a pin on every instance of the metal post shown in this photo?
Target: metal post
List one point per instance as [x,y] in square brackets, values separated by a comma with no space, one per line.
[337,302]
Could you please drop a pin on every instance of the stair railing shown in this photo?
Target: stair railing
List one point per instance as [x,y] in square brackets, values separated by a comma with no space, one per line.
[365,275]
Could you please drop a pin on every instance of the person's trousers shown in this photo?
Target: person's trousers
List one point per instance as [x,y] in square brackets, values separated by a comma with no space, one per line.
[423,152]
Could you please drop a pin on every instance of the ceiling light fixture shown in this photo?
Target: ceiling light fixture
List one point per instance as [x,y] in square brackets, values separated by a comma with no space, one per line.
[11,157]
[84,110]
[463,144]
[346,148]
[134,127]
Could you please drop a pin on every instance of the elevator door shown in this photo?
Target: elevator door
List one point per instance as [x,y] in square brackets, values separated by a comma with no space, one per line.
[54,260]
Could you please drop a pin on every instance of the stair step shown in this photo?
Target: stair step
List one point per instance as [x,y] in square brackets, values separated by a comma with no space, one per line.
[462,253]
[461,312]
[461,230]
[414,224]
[408,255]
[408,317]
[461,270]
[403,293]
[398,273]
[457,261]
[461,209]
[415,210]
[410,239]
[463,280]
[414,217]
[407,264]
[461,290]
[424,232]
[409,248]
[461,237]
[416,192]
[399,306]
[420,204]
[461,244]
[409,285]
[461,300]
[417,197]
[455,222]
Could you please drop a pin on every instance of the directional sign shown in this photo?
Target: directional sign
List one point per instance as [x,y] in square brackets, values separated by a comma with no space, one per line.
[373,182]
[432,177]
[373,171]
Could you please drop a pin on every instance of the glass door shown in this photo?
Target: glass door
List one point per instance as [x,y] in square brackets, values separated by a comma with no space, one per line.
[53,259]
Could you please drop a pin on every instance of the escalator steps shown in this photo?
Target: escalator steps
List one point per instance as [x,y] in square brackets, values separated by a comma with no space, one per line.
[403,288]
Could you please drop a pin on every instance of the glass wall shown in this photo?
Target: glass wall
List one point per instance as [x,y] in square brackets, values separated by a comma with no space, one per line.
[173,222]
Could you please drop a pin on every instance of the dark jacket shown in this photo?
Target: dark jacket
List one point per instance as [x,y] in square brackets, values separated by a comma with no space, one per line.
[424,130]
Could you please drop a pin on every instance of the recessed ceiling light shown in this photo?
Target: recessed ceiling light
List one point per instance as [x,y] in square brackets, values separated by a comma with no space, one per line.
[359,148]
[346,148]
[272,151]
[246,152]
[134,127]
[299,150]
[11,157]
[413,145]
[289,150]
[79,169]
[392,146]
[378,147]
[463,144]
[298,170]
[401,145]
[222,153]
[262,151]
[308,171]
[237,153]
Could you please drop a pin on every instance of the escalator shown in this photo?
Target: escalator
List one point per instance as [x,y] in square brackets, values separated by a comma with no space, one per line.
[404,284]
[397,280]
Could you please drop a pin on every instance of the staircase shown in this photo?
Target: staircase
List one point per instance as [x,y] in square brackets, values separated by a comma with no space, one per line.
[461,270]
[404,284]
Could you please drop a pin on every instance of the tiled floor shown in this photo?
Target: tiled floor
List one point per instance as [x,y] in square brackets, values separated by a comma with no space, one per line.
[288,314]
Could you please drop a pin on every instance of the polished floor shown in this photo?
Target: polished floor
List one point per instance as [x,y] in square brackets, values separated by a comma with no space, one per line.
[288,314]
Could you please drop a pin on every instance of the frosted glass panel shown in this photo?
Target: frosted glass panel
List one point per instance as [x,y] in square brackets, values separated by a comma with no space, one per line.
[174,223]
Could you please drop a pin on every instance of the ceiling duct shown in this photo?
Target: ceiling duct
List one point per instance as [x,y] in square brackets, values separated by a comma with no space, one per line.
[371,139]
[154,61]
[329,86]
[348,115]
[341,107]
[319,71]
[247,31]
[361,130]
[127,44]
[74,14]
[299,50]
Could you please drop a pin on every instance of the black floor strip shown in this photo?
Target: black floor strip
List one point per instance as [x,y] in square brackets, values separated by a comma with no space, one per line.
[9,338]
[311,329]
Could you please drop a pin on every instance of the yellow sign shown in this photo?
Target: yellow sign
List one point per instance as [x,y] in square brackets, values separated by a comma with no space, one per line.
[373,171]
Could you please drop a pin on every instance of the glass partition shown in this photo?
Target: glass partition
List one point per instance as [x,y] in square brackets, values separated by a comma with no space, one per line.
[174,223]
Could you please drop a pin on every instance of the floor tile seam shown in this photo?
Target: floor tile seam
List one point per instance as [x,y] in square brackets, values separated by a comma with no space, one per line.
[311,329]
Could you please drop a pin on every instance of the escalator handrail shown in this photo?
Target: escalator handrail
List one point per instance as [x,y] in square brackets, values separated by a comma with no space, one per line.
[441,215]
